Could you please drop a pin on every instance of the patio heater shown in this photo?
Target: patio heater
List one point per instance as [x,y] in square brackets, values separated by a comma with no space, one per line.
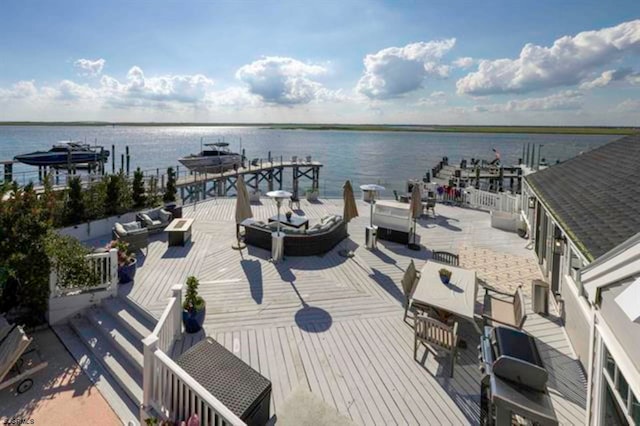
[277,238]
[369,192]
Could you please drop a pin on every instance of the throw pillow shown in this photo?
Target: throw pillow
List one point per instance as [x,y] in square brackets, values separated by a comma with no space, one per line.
[131,226]
[147,220]
[119,229]
[164,216]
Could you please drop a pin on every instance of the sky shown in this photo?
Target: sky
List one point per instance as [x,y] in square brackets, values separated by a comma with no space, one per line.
[345,61]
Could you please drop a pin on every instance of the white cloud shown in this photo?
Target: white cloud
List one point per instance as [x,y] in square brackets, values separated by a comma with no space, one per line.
[285,81]
[568,62]
[610,76]
[435,98]
[89,67]
[563,101]
[465,62]
[20,90]
[629,105]
[69,91]
[394,71]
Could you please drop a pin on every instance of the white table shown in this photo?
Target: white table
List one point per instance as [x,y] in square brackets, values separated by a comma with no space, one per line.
[457,297]
[179,232]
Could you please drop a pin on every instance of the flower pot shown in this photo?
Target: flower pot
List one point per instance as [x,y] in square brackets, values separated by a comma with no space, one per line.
[193,320]
[127,273]
[445,279]
[288,216]
[312,195]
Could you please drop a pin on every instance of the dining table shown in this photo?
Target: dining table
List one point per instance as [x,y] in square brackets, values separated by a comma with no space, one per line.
[458,297]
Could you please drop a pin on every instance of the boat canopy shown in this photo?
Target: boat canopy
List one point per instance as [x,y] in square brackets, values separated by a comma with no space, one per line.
[217,144]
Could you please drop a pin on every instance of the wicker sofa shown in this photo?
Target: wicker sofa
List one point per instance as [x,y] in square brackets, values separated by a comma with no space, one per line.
[155,220]
[133,233]
[318,239]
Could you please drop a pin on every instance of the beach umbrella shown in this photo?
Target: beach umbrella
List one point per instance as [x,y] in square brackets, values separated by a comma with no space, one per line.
[243,207]
[350,208]
[416,210]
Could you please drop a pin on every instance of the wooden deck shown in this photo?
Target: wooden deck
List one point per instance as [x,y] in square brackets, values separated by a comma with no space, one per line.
[334,325]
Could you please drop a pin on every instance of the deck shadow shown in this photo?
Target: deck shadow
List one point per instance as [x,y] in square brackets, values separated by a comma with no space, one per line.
[566,376]
[387,284]
[253,271]
[176,252]
[443,221]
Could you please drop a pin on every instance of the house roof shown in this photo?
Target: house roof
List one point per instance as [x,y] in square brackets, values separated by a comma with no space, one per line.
[595,196]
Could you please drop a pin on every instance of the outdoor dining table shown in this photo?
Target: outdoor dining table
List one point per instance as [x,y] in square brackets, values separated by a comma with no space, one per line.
[458,297]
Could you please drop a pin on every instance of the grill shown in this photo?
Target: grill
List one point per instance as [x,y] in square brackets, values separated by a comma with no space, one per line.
[514,383]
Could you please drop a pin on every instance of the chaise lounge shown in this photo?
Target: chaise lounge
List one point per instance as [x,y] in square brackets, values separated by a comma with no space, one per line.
[318,239]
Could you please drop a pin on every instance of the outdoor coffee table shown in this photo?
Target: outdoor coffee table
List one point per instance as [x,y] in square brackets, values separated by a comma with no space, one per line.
[179,231]
[458,297]
[239,387]
[294,222]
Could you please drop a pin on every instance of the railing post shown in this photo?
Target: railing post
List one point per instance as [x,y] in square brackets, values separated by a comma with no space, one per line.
[150,345]
[176,292]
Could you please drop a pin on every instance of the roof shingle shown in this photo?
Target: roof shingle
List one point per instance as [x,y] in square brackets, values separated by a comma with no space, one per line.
[596,195]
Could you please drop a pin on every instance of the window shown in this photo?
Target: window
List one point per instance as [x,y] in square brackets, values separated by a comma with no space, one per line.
[621,406]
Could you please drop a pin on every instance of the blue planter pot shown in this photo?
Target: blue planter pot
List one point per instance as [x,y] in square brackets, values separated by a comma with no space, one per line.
[193,320]
[127,273]
[445,279]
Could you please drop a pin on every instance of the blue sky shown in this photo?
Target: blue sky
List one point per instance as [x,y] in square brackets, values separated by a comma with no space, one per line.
[493,62]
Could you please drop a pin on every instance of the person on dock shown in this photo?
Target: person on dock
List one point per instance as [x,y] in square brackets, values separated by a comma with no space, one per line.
[495,161]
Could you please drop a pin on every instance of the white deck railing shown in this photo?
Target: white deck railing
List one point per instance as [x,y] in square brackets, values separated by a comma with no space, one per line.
[492,201]
[105,266]
[167,388]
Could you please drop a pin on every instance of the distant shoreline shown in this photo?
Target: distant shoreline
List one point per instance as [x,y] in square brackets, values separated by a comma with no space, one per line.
[574,130]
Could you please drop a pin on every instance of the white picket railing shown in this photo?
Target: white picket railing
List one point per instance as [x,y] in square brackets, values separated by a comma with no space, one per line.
[167,388]
[492,201]
[105,265]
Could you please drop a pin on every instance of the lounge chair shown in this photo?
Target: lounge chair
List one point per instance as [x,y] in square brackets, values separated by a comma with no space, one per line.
[132,233]
[504,309]
[13,346]
[155,220]
[446,257]
[431,332]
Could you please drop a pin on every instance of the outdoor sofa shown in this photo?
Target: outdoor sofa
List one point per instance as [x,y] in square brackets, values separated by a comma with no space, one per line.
[318,239]
[133,233]
[155,220]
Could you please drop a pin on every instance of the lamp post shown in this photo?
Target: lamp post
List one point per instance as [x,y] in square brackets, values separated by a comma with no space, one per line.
[371,190]
[277,239]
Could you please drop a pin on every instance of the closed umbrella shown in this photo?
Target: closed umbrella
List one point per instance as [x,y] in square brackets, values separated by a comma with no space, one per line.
[416,210]
[243,207]
[350,208]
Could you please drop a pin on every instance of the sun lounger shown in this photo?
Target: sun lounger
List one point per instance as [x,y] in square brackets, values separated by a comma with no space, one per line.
[14,367]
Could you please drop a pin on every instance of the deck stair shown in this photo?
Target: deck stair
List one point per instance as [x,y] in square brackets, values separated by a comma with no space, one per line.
[106,342]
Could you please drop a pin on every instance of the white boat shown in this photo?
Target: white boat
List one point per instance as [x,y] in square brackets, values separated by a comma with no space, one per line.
[216,159]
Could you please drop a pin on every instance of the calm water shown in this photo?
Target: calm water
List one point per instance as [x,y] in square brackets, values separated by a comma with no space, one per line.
[389,158]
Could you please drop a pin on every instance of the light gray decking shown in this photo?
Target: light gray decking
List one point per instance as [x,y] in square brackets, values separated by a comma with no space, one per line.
[334,325]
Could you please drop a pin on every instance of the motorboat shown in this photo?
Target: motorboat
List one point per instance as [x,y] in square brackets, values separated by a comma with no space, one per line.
[65,153]
[217,158]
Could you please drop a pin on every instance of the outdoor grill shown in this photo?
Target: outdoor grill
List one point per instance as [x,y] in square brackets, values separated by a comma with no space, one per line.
[514,379]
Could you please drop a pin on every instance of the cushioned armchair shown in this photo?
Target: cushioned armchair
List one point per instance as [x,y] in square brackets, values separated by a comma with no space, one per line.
[155,220]
[132,233]
[504,308]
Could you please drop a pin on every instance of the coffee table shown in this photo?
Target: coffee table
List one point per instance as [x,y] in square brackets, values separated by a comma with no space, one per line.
[294,222]
[179,231]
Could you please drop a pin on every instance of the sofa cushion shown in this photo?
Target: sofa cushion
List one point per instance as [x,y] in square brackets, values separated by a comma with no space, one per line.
[293,231]
[147,219]
[120,229]
[131,226]
[164,216]
[500,310]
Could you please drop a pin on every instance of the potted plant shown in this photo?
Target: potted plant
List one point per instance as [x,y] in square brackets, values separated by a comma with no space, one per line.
[193,307]
[127,263]
[311,194]
[288,216]
[445,275]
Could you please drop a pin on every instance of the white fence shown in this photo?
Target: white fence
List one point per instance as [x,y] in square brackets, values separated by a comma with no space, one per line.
[65,302]
[492,201]
[167,388]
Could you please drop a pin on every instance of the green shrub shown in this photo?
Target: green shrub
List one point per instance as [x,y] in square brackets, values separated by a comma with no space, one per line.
[95,197]
[119,198]
[74,212]
[153,195]
[170,190]
[138,194]
[68,261]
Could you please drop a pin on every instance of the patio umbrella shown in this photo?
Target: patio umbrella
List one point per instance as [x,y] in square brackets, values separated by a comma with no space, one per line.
[243,208]
[416,210]
[350,208]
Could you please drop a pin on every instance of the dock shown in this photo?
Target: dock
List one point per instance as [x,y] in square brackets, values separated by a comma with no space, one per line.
[494,178]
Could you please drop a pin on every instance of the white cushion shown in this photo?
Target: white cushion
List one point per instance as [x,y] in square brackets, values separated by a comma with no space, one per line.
[131,226]
[147,220]
[164,215]
[120,229]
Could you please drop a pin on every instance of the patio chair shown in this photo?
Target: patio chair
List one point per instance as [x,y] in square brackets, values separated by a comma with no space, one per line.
[446,257]
[430,204]
[409,283]
[431,332]
[506,309]
[12,348]
[294,200]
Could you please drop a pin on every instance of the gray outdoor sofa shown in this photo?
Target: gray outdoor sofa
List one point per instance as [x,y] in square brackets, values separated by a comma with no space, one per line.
[133,233]
[318,239]
[155,220]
